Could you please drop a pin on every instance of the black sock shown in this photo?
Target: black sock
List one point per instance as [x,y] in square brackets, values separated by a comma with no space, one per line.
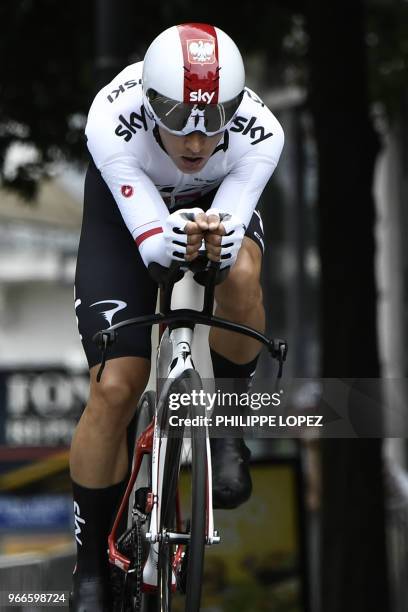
[94,512]
[230,378]
[240,373]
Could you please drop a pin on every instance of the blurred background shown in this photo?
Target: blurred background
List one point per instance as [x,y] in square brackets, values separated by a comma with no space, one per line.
[326,529]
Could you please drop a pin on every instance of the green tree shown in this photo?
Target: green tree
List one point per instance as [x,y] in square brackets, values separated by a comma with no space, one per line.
[45,75]
[49,76]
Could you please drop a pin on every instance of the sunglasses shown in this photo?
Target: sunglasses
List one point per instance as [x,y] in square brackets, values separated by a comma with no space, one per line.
[182,118]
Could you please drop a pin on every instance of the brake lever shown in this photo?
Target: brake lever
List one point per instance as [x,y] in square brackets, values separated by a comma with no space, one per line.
[278,349]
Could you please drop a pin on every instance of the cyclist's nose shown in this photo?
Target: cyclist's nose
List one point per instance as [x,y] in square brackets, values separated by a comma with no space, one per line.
[195,142]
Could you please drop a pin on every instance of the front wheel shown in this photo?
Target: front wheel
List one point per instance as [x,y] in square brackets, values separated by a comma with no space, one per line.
[183,505]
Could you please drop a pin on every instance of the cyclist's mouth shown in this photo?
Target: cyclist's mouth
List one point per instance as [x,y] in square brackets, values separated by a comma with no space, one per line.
[191,163]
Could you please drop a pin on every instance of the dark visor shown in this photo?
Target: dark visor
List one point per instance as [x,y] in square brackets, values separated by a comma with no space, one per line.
[176,115]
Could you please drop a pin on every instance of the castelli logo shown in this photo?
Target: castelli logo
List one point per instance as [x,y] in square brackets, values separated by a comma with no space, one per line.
[201,51]
[127,191]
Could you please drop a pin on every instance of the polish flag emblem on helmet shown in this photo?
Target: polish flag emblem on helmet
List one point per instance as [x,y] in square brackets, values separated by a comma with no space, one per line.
[201,51]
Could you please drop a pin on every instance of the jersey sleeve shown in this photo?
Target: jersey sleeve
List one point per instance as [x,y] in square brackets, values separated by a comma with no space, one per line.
[242,187]
[141,207]
[138,199]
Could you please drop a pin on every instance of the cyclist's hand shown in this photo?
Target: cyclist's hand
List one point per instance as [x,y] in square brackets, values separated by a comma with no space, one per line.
[213,239]
[195,235]
[224,236]
[184,233]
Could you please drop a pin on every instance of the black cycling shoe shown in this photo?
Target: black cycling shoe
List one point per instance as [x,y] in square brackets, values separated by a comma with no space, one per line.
[90,595]
[232,485]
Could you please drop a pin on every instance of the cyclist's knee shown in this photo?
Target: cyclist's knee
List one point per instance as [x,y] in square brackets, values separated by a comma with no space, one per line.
[113,400]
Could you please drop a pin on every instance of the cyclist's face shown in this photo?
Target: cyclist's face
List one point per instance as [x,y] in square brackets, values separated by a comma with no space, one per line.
[189,153]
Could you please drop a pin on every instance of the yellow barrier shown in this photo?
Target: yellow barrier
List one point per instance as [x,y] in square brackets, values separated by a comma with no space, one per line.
[19,477]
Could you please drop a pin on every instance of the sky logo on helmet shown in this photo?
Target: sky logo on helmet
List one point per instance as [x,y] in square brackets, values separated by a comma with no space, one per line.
[201,96]
[201,51]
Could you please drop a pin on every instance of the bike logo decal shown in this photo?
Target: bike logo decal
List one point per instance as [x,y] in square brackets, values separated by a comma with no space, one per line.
[126,191]
[201,51]
[78,520]
[108,314]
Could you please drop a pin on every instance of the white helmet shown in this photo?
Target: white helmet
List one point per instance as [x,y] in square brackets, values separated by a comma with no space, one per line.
[193,79]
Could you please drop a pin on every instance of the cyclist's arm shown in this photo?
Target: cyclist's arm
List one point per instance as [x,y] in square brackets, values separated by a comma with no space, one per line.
[141,207]
[241,189]
[139,201]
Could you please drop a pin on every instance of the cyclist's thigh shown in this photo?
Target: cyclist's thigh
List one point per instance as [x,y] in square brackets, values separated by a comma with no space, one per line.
[112,283]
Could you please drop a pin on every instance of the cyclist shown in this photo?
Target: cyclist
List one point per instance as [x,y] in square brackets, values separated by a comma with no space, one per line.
[177,132]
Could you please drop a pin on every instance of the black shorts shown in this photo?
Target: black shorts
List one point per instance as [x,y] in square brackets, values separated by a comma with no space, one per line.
[111,282]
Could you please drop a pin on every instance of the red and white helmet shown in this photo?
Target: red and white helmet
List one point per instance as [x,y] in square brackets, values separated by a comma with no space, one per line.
[193,79]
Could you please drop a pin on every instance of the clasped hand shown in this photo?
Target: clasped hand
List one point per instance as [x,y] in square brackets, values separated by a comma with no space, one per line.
[207,228]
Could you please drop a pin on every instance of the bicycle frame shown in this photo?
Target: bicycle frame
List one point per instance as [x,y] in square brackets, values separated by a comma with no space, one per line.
[172,365]
[178,361]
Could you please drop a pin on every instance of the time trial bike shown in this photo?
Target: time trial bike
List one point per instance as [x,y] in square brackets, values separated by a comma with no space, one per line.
[166,519]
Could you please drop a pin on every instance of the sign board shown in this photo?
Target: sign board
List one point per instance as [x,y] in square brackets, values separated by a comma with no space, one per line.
[40,408]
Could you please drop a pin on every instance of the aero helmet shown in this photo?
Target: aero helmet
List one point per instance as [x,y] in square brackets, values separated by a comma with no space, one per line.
[193,79]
